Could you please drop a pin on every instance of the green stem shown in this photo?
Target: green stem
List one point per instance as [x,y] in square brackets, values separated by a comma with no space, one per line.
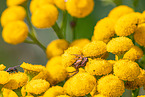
[73,25]
[88,95]
[64,23]
[28,41]
[32,30]
[37,42]
[135,92]
[120,56]
[58,31]
[1,93]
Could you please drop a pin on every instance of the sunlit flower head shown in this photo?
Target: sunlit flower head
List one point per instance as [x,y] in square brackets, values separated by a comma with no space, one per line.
[2,67]
[4,77]
[60,4]
[8,93]
[15,2]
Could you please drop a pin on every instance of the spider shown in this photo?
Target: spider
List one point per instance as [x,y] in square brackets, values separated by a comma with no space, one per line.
[12,69]
[80,62]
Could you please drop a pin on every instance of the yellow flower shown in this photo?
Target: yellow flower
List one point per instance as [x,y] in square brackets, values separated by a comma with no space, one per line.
[4,77]
[2,67]
[95,39]
[139,35]
[45,16]
[110,86]
[99,95]
[80,42]
[137,83]
[60,4]
[15,2]
[94,49]
[68,58]
[37,86]
[32,70]
[8,93]
[119,45]
[36,4]
[79,8]
[15,32]
[56,47]
[57,73]
[13,13]
[127,24]
[141,96]
[104,29]
[42,75]
[63,96]
[126,70]
[94,91]
[133,54]
[16,81]
[119,11]
[98,67]
[80,84]
[54,61]
[54,91]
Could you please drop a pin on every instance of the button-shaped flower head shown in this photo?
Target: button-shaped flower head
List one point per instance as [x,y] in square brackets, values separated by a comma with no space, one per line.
[127,24]
[56,47]
[2,67]
[119,45]
[60,4]
[80,84]
[15,32]
[79,8]
[4,76]
[104,29]
[45,16]
[94,49]
[37,86]
[110,86]
[13,13]
[126,70]
[98,67]
[139,35]
[54,91]
[119,11]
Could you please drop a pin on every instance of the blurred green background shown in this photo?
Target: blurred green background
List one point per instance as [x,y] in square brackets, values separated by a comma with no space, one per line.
[11,55]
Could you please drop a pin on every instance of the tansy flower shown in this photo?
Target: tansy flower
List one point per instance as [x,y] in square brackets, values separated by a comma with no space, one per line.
[63,96]
[42,75]
[99,95]
[54,61]
[94,91]
[104,29]
[79,8]
[56,47]
[119,11]
[2,67]
[13,13]
[126,70]
[32,70]
[127,24]
[137,83]
[57,73]
[133,54]
[36,4]
[98,67]
[95,39]
[139,35]
[94,49]
[8,93]
[45,16]
[60,4]
[54,91]
[16,81]
[37,86]
[119,45]
[68,58]
[80,84]
[105,55]
[15,32]
[141,96]
[4,77]
[110,86]
[15,2]
[80,42]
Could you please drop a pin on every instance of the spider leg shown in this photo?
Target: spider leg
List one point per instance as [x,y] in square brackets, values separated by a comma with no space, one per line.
[74,73]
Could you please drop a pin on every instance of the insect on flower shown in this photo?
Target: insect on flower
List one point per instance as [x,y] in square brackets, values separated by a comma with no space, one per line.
[13,69]
[80,62]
